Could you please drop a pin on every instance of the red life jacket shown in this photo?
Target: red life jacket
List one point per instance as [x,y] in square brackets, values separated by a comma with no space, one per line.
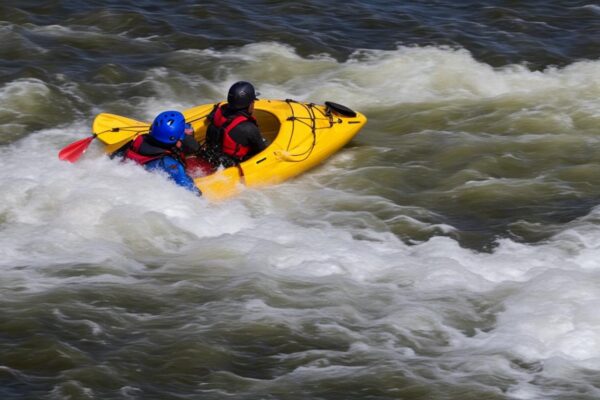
[132,153]
[230,146]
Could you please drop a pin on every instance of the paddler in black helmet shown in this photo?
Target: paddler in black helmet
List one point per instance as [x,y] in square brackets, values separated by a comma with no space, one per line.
[233,135]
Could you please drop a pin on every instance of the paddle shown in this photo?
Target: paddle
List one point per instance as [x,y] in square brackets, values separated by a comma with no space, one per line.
[113,130]
[73,151]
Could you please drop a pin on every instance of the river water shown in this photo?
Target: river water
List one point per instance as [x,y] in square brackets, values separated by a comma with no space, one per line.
[450,251]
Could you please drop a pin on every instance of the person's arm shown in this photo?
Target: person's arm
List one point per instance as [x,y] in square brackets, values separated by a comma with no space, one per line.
[177,173]
[254,139]
[189,144]
[260,143]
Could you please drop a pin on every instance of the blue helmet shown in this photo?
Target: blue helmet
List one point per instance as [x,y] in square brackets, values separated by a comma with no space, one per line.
[168,127]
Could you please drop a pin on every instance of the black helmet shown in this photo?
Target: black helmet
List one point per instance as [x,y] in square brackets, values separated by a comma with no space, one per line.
[241,95]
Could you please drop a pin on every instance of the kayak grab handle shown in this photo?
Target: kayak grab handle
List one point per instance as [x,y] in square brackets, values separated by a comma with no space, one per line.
[283,155]
[340,109]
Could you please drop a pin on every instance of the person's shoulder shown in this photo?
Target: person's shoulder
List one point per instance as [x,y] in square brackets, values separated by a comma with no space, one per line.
[245,129]
[249,124]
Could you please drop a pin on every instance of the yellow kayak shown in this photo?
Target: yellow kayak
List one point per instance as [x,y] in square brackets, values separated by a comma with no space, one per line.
[299,137]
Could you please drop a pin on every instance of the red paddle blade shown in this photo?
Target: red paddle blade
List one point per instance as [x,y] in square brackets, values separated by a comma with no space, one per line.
[75,150]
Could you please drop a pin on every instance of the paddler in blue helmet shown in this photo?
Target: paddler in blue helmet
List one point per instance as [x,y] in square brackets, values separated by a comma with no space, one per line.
[161,149]
[233,134]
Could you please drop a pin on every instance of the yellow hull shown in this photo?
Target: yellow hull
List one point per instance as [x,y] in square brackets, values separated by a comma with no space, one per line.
[300,136]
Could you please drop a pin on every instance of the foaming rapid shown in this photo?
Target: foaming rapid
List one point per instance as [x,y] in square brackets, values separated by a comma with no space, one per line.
[372,80]
[381,78]
[403,294]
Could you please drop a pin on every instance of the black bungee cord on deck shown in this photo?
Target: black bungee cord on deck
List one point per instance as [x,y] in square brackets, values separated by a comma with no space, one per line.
[310,108]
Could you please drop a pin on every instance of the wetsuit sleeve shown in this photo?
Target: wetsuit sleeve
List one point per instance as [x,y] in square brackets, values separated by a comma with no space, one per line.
[177,173]
[249,135]
[189,144]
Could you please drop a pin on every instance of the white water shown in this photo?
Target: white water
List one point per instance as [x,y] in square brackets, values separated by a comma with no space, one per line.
[543,298]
